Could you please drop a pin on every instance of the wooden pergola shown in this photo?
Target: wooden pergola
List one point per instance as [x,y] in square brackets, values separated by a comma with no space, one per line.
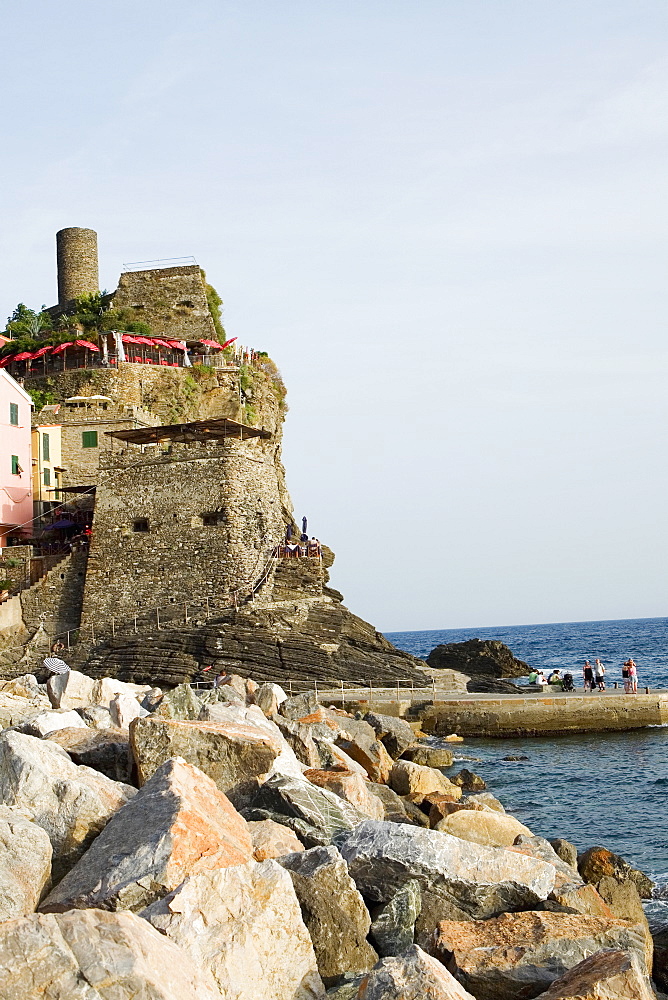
[217,429]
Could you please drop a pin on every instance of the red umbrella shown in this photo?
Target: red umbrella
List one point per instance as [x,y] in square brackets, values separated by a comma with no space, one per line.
[61,347]
[22,356]
[41,351]
[228,342]
[5,361]
[87,343]
[212,343]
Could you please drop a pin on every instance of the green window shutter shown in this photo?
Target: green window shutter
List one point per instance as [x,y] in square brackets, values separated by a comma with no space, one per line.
[47,477]
[15,465]
[14,414]
[45,448]
[89,439]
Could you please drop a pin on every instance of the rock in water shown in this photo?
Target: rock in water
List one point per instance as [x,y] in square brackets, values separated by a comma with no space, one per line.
[71,803]
[177,825]
[272,840]
[523,953]
[25,864]
[429,756]
[333,911]
[478,656]
[468,781]
[90,954]
[411,976]
[393,928]
[232,754]
[598,862]
[487,827]
[461,879]
[408,778]
[244,926]
[607,975]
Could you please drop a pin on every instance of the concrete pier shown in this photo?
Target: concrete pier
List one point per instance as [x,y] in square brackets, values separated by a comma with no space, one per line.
[509,715]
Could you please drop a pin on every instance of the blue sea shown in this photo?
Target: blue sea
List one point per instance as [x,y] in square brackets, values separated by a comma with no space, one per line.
[598,789]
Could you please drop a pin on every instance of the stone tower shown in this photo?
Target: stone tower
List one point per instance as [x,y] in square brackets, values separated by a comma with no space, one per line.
[76,254]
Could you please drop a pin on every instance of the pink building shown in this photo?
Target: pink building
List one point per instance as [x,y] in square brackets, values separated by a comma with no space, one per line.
[15,460]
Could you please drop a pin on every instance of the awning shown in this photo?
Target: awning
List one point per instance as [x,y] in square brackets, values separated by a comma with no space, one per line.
[61,524]
[178,344]
[162,343]
[218,428]
[87,344]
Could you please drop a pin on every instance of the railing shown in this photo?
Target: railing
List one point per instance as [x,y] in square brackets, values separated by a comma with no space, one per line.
[160,264]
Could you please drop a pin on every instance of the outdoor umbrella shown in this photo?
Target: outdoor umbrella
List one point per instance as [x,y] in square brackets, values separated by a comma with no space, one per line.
[56,665]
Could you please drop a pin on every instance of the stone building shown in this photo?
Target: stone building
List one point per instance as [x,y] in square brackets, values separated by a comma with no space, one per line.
[171,300]
[182,512]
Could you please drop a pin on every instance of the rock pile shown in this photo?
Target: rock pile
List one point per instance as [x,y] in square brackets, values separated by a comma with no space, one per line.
[238,844]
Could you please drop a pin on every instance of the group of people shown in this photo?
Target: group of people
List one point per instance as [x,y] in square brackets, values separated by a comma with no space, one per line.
[593,676]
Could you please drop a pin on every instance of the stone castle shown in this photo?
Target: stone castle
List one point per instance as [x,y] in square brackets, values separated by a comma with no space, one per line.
[178,463]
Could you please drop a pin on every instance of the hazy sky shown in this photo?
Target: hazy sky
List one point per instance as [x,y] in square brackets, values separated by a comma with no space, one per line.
[444,219]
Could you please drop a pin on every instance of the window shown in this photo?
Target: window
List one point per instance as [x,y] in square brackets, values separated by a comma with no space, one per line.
[46,453]
[16,468]
[89,439]
[141,524]
[47,477]
[14,414]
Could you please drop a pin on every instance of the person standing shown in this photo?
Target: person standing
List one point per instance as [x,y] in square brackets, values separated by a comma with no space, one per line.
[588,674]
[600,674]
[625,676]
[633,677]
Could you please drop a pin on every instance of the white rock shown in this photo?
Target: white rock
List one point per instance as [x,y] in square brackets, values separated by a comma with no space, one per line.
[49,722]
[70,690]
[268,697]
[72,803]
[25,863]
[244,925]
[488,827]
[95,955]
[124,708]
[106,689]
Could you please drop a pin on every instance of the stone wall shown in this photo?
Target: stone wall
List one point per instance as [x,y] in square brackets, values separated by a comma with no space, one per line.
[76,253]
[211,511]
[55,600]
[172,301]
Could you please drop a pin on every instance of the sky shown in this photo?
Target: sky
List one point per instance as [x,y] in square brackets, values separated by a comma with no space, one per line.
[444,219]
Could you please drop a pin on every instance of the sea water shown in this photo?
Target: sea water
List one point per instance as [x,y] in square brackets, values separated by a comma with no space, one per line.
[594,789]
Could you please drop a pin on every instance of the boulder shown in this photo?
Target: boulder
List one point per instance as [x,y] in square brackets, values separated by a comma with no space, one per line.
[488,657]
[244,926]
[268,697]
[124,708]
[395,734]
[539,847]
[234,755]
[151,699]
[414,810]
[96,716]
[371,754]
[441,806]
[108,688]
[333,911]
[331,755]
[457,878]
[660,963]
[468,781]
[429,756]
[411,976]
[179,703]
[70,802]
[225,694]
[393,927]
[349,786]
[484,827]
[607,975]
[566,851]
[300,738]
[70,690]
[521,954]
[105,750]
[25,863]
[624,902]
[272,840]
[486,799]
[15,710]
[298,706]
[408,778]
[315,814]
[49,722]
[394,809]
[177,825]
[598,862]
[91,954]
[25,686]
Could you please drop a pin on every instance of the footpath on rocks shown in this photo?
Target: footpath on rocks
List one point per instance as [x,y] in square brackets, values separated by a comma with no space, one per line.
[241,844]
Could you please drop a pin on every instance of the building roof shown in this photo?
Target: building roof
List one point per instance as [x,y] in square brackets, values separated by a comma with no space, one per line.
[15,385]
[198,430]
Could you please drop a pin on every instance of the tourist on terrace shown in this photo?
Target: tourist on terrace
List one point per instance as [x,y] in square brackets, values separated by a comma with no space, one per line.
[588,675]
[600,674]
[555,679]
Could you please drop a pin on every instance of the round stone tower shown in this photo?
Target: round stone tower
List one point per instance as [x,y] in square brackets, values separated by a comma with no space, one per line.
[76,254]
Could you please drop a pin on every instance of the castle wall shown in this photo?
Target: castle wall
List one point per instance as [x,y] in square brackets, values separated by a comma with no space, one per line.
[172,301]
[55,600]
[76,254]
[181,558]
